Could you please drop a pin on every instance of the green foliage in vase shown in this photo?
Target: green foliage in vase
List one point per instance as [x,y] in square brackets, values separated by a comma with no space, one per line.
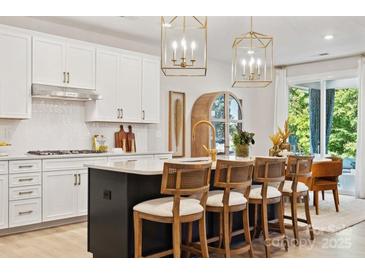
[243,138]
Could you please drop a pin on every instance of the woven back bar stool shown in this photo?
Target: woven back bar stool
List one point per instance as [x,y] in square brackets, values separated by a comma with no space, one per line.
[180,181]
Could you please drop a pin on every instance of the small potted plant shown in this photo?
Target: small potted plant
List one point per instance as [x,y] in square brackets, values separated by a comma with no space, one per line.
[284,134]
[242,141]
[276,141]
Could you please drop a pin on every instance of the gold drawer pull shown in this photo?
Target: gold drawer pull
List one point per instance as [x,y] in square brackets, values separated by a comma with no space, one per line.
[25,192]
[25,179]
[26,166]
[25,212]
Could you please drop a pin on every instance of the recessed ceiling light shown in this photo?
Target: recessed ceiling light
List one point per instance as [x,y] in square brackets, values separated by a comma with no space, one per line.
[328,37]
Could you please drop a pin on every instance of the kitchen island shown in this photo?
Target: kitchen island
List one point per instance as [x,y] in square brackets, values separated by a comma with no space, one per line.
[114,188]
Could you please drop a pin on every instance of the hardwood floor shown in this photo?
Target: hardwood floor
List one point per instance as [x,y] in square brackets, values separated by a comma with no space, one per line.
[70,242]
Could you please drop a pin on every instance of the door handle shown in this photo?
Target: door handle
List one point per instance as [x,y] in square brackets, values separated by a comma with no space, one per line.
[75,179]
[64,77]
[79,175]
[121,113]
[68,77]
[143,115]
[118,109]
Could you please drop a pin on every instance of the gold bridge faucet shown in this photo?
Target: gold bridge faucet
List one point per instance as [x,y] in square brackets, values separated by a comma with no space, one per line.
[212,150]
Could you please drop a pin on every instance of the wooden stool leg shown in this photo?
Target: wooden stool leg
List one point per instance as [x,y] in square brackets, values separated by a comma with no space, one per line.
[265,228]
[308,216]
[226,233]
[246,227]
[230,227]
[280,208]
[203,237]
[316,202]
[189,237]
[255,229]
[323,195]
[294,217]
[220,242]
[137,235]
[176,242]
[335,198]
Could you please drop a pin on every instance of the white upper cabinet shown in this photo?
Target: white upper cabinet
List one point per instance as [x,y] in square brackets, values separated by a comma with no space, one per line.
[15,75]
[80,63]
[151,90]
[130,88]
[49,62]
[107,84]
[61,63]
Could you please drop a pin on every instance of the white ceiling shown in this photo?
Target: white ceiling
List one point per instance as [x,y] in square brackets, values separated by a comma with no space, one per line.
[296,39]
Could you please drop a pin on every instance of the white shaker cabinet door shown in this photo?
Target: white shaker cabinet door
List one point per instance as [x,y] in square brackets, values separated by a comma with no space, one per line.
[59,195]
[49,61]
[130,88]
[107,78]
[151,90]
[82,193]
[15,75]
[80,63]
[3,201]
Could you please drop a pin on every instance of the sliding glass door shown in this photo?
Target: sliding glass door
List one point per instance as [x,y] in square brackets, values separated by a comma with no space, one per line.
[323,120]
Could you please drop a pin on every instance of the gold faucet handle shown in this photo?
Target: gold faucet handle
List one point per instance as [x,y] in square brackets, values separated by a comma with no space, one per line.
[205,147]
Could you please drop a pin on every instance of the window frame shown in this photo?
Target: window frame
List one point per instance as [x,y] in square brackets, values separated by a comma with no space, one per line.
[321,78]
[227,121]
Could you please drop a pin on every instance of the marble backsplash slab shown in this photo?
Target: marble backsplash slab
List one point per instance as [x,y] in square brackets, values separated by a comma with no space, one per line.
[57,124]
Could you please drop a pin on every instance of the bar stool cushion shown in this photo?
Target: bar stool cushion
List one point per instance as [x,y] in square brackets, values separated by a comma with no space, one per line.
[272,192]
[215,198]
[300,187]
[163,207]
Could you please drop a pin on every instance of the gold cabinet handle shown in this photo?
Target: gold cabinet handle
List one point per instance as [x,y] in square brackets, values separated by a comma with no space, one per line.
[25,212]
[25,192]
[26,166]
[25,179]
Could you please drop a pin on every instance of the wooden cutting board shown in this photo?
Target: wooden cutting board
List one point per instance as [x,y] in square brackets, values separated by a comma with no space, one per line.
[121,139]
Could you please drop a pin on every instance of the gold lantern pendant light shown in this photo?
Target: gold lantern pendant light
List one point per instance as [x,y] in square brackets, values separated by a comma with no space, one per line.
[184,45]
[252,60]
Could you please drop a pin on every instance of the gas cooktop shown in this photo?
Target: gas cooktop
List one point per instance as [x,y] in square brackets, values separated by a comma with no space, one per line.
[62,152]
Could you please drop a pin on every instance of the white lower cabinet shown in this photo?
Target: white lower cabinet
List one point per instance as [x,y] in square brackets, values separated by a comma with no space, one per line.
[61,194]
[3,201]
[82,193]
[25,212]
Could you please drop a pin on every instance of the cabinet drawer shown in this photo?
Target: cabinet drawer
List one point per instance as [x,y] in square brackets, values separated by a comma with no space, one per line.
[25,192]
[24,212]
[24,166]
[24,179]
[129,158]
[163,156]
[68,164]
[4,167]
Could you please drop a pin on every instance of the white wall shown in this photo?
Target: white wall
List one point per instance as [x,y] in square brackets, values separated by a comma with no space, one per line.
[60,125]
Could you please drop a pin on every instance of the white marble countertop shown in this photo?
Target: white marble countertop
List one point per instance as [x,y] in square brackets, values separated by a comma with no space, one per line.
[155,166]
[12,157]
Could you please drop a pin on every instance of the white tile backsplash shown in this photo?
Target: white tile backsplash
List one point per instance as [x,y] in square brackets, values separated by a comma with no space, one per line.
[57,124]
